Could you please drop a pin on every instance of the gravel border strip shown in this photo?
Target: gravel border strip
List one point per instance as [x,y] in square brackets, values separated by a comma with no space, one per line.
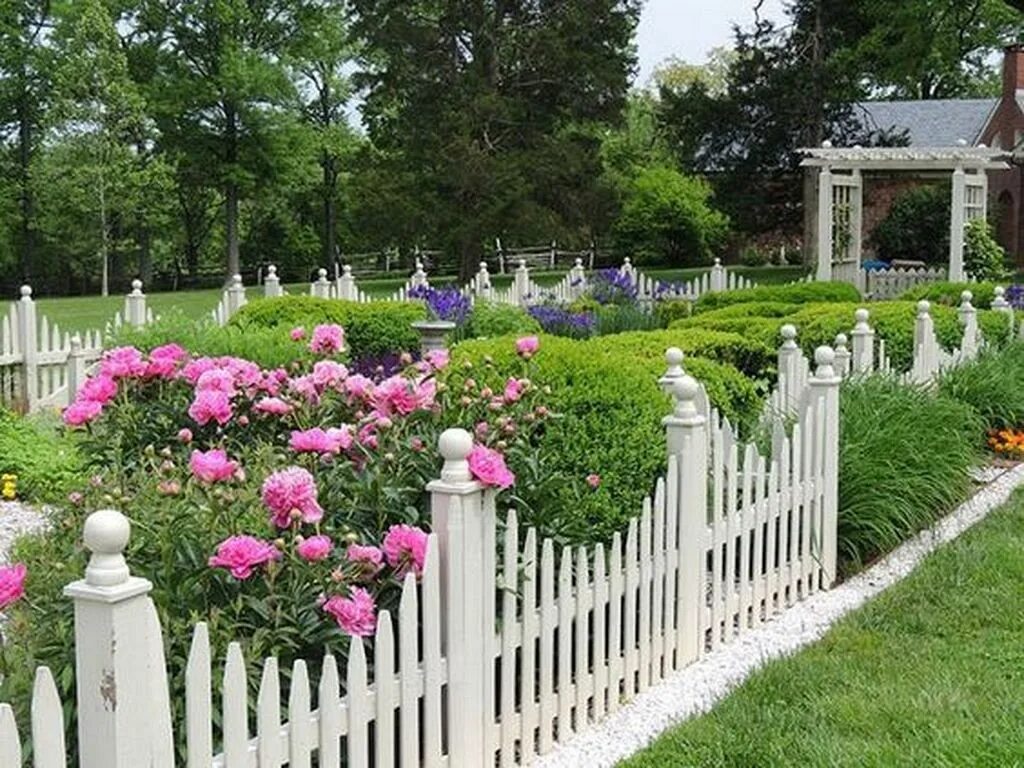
[700,686]
[16,519]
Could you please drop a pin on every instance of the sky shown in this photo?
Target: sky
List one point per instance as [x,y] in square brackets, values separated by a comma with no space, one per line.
[690,28]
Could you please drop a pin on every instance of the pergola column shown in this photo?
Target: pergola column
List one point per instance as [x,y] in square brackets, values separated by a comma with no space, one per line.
[825,203]
[956,226]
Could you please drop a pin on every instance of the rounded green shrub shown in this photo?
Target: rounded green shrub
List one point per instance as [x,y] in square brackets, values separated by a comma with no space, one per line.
[751,357]
[669,311]
[794,293]
[948,294]
[489,319]
[371,329]
[608,408]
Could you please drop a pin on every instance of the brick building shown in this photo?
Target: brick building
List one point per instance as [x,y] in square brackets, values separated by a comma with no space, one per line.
[996,123]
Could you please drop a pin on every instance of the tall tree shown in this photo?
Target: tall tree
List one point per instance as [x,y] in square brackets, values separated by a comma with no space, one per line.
[488,101]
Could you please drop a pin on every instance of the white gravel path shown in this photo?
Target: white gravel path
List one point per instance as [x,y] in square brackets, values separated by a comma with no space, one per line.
[701,685]
[17,518]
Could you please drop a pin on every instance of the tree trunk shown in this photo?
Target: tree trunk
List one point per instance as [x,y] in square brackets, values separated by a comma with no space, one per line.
[26,255]
[234,264]
[145,241]
[104,247]
[330,249]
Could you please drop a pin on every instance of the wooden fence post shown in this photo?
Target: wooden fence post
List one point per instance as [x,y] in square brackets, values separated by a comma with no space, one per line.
[718,276]
[321,287]
[271,283]
[419,277]
[789,385]
[1000,304]
[577,280]
[686,436]
[463,518]
[236,296]
[347,290]
[969,318]
[825,387]
[28,345]
[76,368]
[135,306]
[863,343]
[842,355]
[483,283]
[124,716]
[522,283]
[926,360]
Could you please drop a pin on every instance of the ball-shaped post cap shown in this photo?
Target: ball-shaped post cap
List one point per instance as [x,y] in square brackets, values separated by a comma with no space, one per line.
[861,315]
[236,279]
[824,357]
[579,262]
[322,273]
[841,340]
[271,270]
[788,332]
[1000,291]
[136,285]
[718,262]
[966,297]
[674,357]
[685,389]
[924,307]
[826,144]
[26,291]
[347,269]
[455,446]
[106,536]
[627,260]
[483,266]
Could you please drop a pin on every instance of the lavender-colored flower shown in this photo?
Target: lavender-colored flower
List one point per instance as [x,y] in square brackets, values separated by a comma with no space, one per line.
[1015,296]
[562,322]
[443,303]
[610,286]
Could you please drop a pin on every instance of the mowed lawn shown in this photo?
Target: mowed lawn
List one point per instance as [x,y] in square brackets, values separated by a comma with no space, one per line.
[80,313]
[930,675]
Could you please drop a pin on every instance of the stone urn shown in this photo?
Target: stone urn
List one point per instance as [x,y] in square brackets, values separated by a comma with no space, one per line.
[432,334]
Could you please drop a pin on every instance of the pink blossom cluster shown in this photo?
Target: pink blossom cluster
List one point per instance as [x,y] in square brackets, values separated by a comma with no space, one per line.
[327,339]
[242,555]
[12,584]
[291,496]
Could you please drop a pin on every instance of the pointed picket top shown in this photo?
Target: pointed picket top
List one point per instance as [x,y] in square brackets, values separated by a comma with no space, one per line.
[47,723]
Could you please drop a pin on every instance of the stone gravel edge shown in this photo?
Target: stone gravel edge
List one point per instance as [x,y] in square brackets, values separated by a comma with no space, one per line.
[700,686]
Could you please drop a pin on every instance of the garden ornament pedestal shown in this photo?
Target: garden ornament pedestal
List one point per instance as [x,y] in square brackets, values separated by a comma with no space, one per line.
[432,334]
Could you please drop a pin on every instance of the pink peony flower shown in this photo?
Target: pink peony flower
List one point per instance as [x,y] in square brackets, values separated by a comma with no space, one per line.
[513,390]
[315,548]
[327,339]
[368,436]
[298,333]
[594,481]
[82,412]
[12,584]
[437,358]
[163,361]
[317,440]
[328,373]
[405,546]
[196,368]
[481,429]
[212,466]
[369,559]
[123,363]
[355,614]
[216,380]
[211,405]
[272,405]
[289,491]
[403,396]
[527,346]
[305,387]
[358,386]
[76,498]
[185,435]
[488,466]
[174,352]
[100,389]
[242,554]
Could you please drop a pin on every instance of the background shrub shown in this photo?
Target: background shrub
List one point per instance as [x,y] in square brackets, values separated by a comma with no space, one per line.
[669,311]
[371,330]
[490,318]
[608,410]
[795,293]
[984,257]
[948,294]
[47,464]
[904,460]
[917,227]
[751,357]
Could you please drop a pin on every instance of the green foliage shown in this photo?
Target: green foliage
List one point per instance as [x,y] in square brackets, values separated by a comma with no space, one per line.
[47,464]
[669,218]
[984,257]
[608,410]
[620,318]
[905,460]
[668,312]
[948,294]
[371,329]
[917,227]
[795,293]
[489,319]
[993,385]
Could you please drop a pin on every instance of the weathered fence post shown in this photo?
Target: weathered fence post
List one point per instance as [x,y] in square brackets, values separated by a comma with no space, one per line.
[124,718]
[969,318]
[863,343]
[347,290]
[321,287]
[926,358]
[462,516]
[75,367]
[271,283]
[686,437]
[1000,304]
[235,296]
[501,255]
[135,306]
[522,283]
[28,345]
[825,387]
[718,276]
[577,279]
[554,254]
[842,355]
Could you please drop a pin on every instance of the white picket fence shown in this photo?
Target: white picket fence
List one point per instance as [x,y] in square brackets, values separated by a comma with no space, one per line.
[41,366]
[890,283]
[868,354]
[499,651]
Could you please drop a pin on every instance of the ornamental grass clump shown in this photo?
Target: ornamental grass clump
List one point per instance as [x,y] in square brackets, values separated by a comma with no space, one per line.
[905,459]
[993,385]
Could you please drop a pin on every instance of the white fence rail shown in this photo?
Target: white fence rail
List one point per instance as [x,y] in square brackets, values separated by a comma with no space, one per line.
[500,650]
[890,283]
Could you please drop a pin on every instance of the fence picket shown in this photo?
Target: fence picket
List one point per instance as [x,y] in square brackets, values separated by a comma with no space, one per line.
[331,725]
[528,713]
[565,611]
[357,694]
[760,518]
[548,621]
[732,532]
[644,628]
[10,743]
[671,564]
[268,716]
[300,736]
[433,678]
[795,507]
[198,704]
[630,612]
[510,626]
[775,547]
[47,723]
[616,665]
[408,645]
[581,660]
[717,522]
[658,587]
[747,519]
[384,688]
[600,664]
[235,705]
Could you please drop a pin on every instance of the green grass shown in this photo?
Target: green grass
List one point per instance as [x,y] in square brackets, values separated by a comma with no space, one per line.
[82,313]
[931,673]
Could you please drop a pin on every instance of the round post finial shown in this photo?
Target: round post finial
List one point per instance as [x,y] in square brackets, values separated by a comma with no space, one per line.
[237,280]
[788,333]
[718,262]
[841,341]
[824,359]
[522,263]
[861,316]
[579,262]
[685,390]
[347,269]
[455,445]
[26,291]
[674,362]
[322,273]
[136,286]
[271,271]
[966,297]
[826,144]
[106,535]
[923,307]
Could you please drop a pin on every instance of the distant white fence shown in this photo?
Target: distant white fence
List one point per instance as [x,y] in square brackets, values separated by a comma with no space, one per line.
[502,649]
[881,284]
[869,355]
[41,366]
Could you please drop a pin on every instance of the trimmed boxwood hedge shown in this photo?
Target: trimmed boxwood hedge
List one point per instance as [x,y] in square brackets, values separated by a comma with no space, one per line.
[949,293]
[371,329]
[751,357]
[795,293]
[609,408]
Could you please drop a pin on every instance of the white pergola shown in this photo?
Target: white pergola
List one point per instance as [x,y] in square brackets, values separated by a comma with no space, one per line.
[841,193]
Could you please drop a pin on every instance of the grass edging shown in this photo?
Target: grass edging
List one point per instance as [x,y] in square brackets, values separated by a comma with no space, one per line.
[700,686]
